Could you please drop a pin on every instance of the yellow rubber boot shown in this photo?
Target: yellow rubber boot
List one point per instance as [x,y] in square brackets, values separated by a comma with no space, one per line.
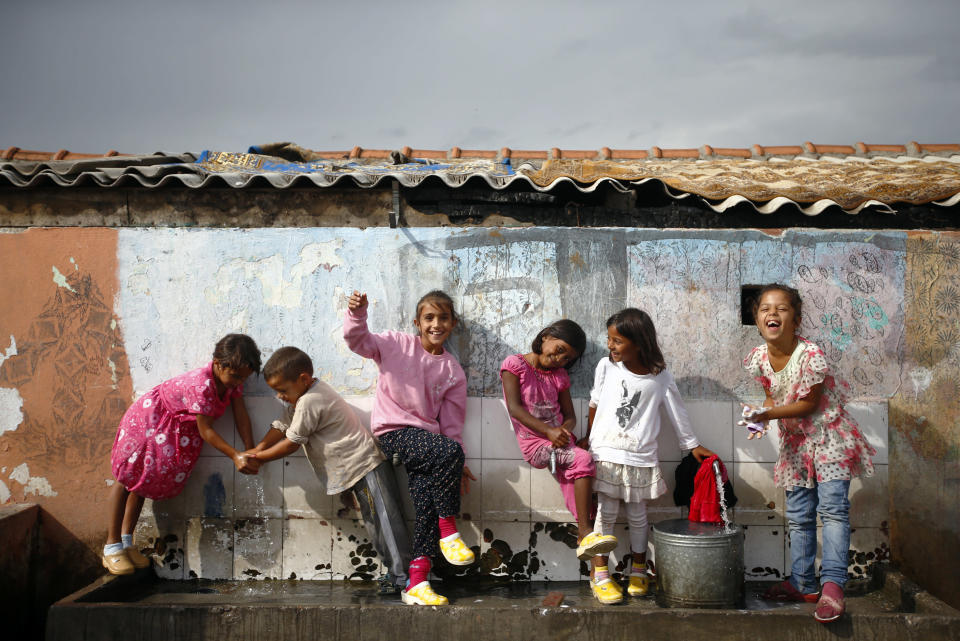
[639,583]
[607,591]
[595,544]
[455,551]
[422,594]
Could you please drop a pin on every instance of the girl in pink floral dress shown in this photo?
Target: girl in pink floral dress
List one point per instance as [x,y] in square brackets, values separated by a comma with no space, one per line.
[821,449]
[160,437]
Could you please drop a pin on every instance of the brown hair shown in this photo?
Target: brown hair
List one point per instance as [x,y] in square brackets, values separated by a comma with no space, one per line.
[637,327]
[287,363]
[439,298]
[567,331]
[791,293]
[236,351]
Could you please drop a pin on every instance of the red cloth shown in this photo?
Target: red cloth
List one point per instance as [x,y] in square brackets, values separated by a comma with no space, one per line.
[705,502]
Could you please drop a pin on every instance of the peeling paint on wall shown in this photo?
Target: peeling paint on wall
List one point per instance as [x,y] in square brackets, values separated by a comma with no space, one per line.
[921,377]
[4,492]
[11,409]
[508,286]
[61,280]
[10,351]
[36,485]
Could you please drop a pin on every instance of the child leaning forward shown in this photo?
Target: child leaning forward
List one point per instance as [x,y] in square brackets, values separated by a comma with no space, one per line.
[341,451]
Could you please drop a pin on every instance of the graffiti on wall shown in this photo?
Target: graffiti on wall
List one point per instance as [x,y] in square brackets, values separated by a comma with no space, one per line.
[288,287]
[72,346]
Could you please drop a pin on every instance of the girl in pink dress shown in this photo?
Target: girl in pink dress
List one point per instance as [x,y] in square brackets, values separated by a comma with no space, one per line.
[160,437]
[536,389]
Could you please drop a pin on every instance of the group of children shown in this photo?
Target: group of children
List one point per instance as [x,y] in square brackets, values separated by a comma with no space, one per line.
[418,418]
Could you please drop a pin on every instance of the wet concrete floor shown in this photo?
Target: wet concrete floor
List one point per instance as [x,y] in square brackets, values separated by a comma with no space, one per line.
[144,608]
[469,594]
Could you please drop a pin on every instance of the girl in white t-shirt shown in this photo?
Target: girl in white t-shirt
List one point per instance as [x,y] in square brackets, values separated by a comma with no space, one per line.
[629,389]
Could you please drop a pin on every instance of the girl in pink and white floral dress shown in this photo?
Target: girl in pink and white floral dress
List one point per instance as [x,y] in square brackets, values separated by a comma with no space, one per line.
[821,449]
[160,437]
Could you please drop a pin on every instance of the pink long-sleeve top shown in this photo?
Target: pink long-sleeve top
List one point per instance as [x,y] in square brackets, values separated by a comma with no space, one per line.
[415,388]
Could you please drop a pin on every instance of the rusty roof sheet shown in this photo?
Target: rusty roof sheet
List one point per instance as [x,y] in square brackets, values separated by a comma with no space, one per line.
[811,177]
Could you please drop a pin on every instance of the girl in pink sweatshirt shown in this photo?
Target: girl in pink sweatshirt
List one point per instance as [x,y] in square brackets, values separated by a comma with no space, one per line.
[418,416]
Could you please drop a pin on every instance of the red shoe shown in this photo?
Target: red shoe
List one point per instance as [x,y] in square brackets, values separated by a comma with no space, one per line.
[784,591]
[830,607]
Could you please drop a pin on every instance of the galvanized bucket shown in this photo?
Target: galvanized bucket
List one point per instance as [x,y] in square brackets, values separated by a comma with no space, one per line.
[699,565]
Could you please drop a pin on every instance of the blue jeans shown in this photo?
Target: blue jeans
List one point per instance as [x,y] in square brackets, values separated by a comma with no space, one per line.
[828,499]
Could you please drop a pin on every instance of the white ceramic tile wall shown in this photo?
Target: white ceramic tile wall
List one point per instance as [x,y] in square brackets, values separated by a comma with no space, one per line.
[208,550]
[303,494]
[506,490]
[352,555]
[286,525]
[471,503]
[515,535]
[307,549]
[498,440]
[764,552]
[546,499]
[257,547]
[259,495]
[556,561]
[872,418]
[759,502]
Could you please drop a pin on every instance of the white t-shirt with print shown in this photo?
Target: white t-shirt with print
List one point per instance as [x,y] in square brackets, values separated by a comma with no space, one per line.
[627,420]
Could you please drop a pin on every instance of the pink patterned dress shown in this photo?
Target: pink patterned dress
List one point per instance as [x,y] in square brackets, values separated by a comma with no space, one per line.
[158,442]
[827,445]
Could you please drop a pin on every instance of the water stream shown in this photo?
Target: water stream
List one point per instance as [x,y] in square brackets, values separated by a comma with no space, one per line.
[723,498]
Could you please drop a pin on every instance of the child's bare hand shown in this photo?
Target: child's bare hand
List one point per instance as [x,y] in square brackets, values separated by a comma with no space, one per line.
[252,460]
[357,301]
[700,453]
[584,443]
[558,436]
[755,420]
[465,479]
[244,464]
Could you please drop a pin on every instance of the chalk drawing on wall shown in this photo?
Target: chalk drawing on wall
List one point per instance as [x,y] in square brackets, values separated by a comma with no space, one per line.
[287,286]
[929,400]
[67,353]
[853,295]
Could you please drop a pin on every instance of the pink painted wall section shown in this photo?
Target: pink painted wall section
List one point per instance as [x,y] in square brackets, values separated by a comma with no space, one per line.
[64,378]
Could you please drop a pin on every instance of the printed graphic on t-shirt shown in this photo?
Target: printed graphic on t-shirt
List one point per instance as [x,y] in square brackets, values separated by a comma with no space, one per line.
[628,404]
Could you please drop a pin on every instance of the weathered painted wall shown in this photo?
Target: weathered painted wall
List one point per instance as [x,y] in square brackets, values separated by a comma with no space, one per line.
[104,315]
[924,435]
[64,378]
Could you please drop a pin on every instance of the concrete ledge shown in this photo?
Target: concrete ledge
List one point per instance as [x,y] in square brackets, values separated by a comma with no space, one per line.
[147,609]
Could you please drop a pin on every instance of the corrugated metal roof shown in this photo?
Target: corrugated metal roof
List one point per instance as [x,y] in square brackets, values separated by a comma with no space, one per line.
[811,177]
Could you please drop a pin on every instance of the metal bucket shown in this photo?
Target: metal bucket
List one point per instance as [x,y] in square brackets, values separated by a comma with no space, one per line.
[699,565]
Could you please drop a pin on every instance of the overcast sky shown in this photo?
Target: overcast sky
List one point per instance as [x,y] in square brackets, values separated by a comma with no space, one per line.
[172,75]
